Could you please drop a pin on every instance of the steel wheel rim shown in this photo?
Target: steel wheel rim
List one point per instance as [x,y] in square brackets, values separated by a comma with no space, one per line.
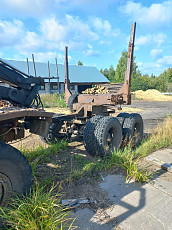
[136,133]
[110,139]
[5,187]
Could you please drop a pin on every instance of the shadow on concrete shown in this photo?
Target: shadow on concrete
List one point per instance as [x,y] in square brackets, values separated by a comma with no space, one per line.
[127,198]
[133,206]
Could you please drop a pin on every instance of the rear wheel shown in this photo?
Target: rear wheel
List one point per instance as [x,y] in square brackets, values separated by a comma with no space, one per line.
[15,172]
[89,137]
[108,135]
[133,129]
[121,117]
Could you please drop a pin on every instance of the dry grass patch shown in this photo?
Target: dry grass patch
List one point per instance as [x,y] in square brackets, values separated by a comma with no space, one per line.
[160,138]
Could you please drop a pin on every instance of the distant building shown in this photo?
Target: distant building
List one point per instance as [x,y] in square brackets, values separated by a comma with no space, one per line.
[81,77]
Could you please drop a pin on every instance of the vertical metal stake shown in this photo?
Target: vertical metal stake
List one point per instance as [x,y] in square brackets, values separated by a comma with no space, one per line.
[27,66]
[49,70]
[49,75]
[58,78]
[34,65]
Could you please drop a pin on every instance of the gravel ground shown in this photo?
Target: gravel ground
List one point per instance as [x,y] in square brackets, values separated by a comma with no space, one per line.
[152,112]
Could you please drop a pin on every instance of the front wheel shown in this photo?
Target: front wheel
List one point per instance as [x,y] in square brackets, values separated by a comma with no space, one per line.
[89,137]
[108,135]
[15,172]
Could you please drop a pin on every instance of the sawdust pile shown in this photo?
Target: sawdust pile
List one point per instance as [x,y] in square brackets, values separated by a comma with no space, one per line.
[151,95]
[96,90]
[58,110]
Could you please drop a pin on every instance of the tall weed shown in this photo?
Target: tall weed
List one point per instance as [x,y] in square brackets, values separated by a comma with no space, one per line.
[39,210]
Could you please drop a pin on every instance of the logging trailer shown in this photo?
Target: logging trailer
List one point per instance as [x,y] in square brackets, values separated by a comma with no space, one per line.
[92,118]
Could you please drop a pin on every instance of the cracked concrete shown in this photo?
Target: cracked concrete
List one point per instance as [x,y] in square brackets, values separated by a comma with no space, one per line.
[134,206]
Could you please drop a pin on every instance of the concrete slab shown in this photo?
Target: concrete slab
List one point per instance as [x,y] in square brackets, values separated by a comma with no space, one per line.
[87,220]
[138,207]
[162,158]
[134,207]
[162,184]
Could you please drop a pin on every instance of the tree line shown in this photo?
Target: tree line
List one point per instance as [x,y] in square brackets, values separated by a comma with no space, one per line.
[139,81]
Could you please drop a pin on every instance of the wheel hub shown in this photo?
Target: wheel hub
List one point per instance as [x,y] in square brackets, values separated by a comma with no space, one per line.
[5,187]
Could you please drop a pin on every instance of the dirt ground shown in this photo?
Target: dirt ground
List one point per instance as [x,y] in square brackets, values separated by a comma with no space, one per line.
[153,113]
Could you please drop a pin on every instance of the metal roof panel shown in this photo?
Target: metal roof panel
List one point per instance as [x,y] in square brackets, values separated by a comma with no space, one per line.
[77,74]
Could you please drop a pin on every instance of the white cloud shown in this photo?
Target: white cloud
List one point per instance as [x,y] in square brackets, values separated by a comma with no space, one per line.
[153,67]
[143,40]
[156,53]
[44,8]
[45,56]
[104,27]
[31,42]
[53,30]
[166,60]
[61,58]
[69,29]
[156,14]
[53,35]
[91,52]
[157,39]
[25,8]
[11,32]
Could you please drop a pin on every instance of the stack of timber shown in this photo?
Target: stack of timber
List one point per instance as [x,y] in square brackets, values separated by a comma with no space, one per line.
[103,89]
[113,87]
[96,90]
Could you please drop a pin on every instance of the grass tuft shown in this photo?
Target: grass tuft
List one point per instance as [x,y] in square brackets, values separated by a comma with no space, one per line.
[39,210]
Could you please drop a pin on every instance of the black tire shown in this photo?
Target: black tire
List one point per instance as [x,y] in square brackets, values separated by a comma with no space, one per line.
[54,134]
[133,129]
[121,117]
[72,99]
[108,135]
[89,138]
[15,172]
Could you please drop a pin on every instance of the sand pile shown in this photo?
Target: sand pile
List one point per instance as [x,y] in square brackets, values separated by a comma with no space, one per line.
[151,95]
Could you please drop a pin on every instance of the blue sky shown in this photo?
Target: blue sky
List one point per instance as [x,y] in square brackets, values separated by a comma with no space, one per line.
[96,31]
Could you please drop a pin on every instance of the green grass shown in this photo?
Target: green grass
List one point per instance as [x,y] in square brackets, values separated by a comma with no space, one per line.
[53,100]
[39,210]
[121,158]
